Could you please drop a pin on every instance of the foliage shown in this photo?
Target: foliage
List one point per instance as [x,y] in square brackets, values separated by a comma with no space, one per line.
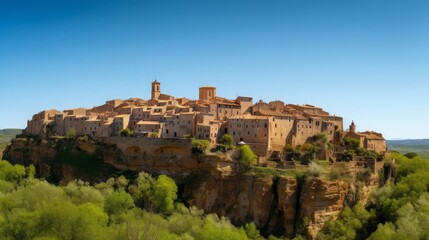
[315,170]
[351,143]
[347,156]
[186,136]
[227,140]
[153,135]
[338,172]
[71,133]
[351,224]
[320,139]
[411,155]
[35,209]
[126,132]
[156,195]
[200,146]
[246,155]
[291,153]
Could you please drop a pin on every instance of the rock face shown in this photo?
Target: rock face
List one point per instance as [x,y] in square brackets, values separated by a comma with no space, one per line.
[322,200]
[211,182]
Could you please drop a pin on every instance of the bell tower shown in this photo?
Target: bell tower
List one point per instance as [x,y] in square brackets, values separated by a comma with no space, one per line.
[352,127]
[156,90]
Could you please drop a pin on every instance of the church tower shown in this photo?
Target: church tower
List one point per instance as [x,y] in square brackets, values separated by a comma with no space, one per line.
[156,90]
[352,127]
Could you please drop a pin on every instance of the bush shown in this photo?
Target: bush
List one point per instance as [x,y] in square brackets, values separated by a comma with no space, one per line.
[227,140]
[351,143]
[320,139]
[411,155]
[71,133]
[291,153]
[126,132]
[200,145]
[315,170]
[153,135]
[118,202]
[187,136]
[246,155]
[339,173]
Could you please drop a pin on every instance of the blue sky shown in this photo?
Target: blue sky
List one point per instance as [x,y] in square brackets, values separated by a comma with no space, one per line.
[365,60]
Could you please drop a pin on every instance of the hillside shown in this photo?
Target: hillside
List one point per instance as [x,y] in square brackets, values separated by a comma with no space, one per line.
[419,146]
[6,135]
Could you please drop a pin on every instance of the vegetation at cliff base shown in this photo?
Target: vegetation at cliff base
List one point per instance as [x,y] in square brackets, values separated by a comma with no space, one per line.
[145,208]
[398,210]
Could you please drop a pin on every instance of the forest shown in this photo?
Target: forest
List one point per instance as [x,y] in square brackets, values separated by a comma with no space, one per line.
[147,207]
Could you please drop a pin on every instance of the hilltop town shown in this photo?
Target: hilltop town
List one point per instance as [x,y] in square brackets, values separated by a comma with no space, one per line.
[266,127]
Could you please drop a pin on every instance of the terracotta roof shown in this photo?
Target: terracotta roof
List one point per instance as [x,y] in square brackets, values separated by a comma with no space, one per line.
[372,135]
[299,117]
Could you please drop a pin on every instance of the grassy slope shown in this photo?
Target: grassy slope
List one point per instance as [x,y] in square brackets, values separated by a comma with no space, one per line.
[419,146]
[6,135]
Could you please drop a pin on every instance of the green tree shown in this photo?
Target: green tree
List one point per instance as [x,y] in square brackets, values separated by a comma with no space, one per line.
[227,140]
[71,133]
[126,132]
[119,202]
[352,144]
[164,194]
[200,146]
[246,155]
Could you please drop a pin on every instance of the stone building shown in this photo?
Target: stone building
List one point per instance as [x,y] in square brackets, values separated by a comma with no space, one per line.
[368,140]
[266,127]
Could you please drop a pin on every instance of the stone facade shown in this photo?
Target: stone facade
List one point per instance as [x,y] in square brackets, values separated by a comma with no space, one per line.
[266,127]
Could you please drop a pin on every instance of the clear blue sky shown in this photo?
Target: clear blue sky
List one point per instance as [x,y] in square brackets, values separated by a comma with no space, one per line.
[365,60]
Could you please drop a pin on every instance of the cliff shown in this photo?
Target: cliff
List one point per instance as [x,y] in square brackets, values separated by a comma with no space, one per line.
[215,183]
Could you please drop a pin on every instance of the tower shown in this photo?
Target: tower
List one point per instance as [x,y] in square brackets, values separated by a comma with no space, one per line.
[207,93]
[352,127]
[156,90]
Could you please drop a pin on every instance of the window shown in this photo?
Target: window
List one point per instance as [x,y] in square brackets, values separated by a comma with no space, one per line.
[275,126]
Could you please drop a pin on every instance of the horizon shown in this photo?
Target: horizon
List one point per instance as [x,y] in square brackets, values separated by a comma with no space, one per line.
[364,61]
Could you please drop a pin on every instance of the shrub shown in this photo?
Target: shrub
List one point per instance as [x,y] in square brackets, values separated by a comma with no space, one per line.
[246,155]
[153,135]
[315,170]
[351,143]
[187,136]
[227,140]
[71,133]
[291,153]
[118,202]
[126,132]
[339,173]
[200,145]
[411,155]
[320,139]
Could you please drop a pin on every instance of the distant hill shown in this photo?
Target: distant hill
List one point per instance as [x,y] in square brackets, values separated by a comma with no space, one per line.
[419,146]
[409,142]
[6,135]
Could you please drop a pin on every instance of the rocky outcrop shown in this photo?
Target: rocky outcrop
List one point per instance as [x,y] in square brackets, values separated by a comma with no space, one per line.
[322,200]
[214,183]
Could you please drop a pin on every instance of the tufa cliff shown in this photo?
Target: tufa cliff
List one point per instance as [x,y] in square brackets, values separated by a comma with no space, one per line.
[279,205]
